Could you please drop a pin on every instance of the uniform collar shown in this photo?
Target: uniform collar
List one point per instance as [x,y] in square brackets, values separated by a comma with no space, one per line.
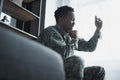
[61,31]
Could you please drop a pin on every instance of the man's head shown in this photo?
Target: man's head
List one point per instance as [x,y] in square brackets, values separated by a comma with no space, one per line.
[65,17]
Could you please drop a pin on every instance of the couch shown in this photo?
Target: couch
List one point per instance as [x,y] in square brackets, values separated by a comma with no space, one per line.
[25,59]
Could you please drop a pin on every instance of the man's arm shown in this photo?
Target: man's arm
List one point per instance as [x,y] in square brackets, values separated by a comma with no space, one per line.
[90,45]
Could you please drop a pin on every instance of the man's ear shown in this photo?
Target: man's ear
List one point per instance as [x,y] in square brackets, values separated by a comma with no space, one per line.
[61,20]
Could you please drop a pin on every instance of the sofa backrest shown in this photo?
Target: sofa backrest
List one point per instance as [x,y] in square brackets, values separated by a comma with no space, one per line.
[24,59]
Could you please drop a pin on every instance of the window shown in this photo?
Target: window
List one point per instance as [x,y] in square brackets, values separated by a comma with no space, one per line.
[107,51]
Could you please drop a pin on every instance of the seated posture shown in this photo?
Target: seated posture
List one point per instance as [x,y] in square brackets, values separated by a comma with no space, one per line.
[63,39]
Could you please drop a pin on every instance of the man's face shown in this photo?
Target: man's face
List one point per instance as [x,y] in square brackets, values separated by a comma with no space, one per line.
[68,22]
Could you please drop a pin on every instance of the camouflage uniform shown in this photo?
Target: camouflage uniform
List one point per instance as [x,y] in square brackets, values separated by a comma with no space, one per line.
[57,39]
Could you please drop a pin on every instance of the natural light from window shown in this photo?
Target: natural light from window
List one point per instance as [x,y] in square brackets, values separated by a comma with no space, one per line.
[107,51]
[108,11]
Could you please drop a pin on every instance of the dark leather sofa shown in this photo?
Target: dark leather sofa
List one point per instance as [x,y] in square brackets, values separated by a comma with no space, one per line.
[24,59]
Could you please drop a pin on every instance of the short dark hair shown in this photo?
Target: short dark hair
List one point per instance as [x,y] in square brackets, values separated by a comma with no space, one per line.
[62,12]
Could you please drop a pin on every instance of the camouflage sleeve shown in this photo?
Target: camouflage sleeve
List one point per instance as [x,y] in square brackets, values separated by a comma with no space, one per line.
[90,45]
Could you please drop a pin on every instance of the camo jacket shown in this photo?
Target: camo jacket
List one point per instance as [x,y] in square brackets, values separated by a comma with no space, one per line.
[57,39]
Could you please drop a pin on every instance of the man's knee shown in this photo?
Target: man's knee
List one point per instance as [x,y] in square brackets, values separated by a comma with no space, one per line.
[94,73]
[74,67]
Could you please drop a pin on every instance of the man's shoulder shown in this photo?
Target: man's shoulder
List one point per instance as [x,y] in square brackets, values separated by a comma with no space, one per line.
[50,30]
